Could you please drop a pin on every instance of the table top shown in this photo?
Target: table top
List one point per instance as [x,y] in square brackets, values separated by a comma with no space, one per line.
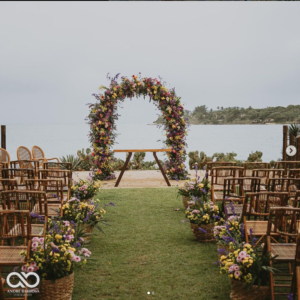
[144,150]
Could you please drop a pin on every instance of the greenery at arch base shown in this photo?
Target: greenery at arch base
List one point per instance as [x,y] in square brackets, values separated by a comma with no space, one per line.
[103,115]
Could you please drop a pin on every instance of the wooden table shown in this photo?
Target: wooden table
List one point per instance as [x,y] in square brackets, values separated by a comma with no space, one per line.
[145,150]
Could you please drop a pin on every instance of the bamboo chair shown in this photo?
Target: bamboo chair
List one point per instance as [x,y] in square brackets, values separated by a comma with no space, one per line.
[287,165]
[256,212]
[26,164]
[266,174]
[52,187]
[249,166]
[210,165]
[64,175]
[295,289]
[34,201]
[218,176]
[18,174]
[294,173]
[38,154]
[58,165]
[234,194]
[4,156]
[285,223]
[10,254]
[7,185]
[24,156]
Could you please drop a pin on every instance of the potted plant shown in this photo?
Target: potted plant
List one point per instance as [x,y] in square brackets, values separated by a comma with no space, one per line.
[54,259]
[85,190]
[248,271]
[229,234]
[202,217]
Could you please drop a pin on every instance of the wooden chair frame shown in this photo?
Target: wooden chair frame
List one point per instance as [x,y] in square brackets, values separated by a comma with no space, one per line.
[19,174]
[41,156]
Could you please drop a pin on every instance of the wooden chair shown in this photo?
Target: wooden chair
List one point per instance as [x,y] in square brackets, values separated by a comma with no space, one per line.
[234,194]
[266,174]
[58,165]
[294,173]
[218,176]
[7,185]
[34,201]
[4,159]
[18,174]
[52,187]
[284,222]
[26,164]
[287,165]
[249,166]
[24,154]
[210,165]
[38,154]
[64,175]
[256,212]
[14,225]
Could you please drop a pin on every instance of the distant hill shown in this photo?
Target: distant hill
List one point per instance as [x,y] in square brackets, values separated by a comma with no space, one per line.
[240,115]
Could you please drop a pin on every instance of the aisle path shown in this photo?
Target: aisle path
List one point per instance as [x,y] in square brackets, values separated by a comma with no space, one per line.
[147,248]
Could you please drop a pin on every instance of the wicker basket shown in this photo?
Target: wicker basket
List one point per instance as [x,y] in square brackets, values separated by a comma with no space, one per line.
[204,235]
[225,248]
[61,289]
[185,201]
[89,200]
[239,292]
[88,229]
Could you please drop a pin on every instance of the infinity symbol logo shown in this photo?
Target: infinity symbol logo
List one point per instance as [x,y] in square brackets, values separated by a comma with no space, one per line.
[20,284]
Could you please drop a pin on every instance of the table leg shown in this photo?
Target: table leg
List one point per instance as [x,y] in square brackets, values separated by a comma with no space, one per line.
[123,169]
[161,169]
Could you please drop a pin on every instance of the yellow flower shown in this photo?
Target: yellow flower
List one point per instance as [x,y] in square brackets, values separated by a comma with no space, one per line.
[58,237]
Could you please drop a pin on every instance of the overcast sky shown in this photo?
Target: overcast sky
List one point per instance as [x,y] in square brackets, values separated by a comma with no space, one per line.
[53,56]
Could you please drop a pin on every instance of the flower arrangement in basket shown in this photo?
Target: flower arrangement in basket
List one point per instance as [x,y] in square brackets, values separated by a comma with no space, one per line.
[85,189]
[229,234]
[195,188]
[55,256]
[247,268]
[202,216]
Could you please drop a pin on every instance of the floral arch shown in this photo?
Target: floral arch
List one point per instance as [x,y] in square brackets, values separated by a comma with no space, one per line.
[103,115]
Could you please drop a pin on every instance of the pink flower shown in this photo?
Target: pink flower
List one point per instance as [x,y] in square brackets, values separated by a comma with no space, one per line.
[33,249]
[30,269]
[66,223]
[76,259]
[242,254]
[33,264]
[236,268]
[85,192]
[24,268]
[34,244]
[36,239]
[237,273]
[41,240]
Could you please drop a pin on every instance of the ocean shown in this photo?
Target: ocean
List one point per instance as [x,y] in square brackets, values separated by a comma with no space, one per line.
[58,140]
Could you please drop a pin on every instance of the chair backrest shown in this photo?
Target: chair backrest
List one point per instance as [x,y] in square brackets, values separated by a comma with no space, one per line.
[210,165]
[14,224]
[249,166]
[8,184]
[64,175]
[259,204]
[24,154]
[294,173]
[53,187]
[4,156]
[58,165]
[266,174]
[284,221]
[219,174]
[283,184]
[19,174]
[26,200]
[37,152]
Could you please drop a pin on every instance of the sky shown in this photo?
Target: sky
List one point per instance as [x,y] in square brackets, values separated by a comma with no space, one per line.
[55,55]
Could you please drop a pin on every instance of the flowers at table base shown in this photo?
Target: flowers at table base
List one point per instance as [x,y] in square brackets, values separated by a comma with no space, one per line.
[103,116]
[85,189]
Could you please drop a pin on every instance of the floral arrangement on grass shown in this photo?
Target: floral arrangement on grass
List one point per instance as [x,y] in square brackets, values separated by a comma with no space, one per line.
[247,266]
[103,116]
[230,233]
[196,188]
[83,213]
[200,212]
[85,189]
[56,256]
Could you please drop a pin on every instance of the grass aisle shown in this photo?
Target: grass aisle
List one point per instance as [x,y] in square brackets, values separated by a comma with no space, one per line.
[148,249]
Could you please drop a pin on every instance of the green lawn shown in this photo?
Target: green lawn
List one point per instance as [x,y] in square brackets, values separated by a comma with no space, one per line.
[147,248]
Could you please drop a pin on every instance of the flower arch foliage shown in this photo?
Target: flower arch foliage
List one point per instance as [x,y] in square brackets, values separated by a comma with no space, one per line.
[103,115]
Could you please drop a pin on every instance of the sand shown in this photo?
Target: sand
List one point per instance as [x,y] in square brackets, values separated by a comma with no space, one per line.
[139,179]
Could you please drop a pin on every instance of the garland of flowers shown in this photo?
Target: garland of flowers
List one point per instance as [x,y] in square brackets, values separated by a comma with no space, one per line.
[103,115]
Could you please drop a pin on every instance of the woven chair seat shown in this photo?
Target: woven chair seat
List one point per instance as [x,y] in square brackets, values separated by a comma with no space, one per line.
[285,252]
[50,198]
[52,209]
[238,209]
[36,229]
[259,227]
[218,187]
[11,255]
